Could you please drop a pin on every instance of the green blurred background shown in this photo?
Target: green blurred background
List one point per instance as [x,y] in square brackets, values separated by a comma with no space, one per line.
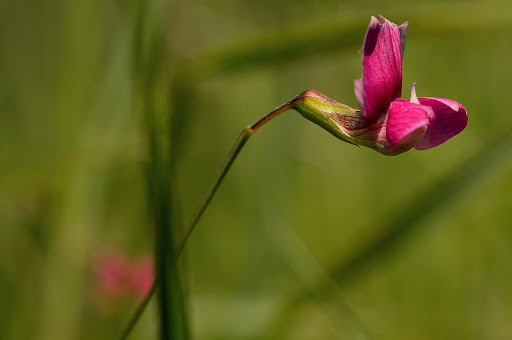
[297,203]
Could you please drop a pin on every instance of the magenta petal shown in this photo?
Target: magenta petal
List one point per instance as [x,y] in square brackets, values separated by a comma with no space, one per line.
[382,69]
[407,123]
[451,119]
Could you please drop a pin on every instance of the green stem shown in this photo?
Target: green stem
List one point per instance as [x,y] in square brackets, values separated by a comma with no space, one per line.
[221,173]
[140,308]
[230,158]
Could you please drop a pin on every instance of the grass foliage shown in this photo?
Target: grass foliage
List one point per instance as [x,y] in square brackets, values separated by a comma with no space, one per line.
[115,116]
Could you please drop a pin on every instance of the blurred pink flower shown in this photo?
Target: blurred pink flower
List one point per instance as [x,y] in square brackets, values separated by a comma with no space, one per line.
[117,276]
[140,277]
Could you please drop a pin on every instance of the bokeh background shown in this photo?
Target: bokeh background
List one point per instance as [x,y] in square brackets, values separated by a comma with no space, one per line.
[308,237]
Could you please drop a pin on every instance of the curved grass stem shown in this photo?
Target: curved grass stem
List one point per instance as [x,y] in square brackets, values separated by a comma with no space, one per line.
[140,308]
[221,173]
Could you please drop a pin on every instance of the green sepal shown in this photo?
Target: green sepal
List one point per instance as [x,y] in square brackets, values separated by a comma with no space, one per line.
[335,117]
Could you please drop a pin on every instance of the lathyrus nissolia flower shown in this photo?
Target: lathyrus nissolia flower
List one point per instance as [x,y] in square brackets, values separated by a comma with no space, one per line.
[386,122]
[117,276]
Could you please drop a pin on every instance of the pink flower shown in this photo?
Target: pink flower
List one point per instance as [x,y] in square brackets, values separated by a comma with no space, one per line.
[110,274]
[116,276]
[140,277]
[423,122]
[386,122]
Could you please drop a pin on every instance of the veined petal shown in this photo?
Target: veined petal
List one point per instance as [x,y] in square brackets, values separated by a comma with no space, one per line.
[407,124]
[382,68]
[451,119]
